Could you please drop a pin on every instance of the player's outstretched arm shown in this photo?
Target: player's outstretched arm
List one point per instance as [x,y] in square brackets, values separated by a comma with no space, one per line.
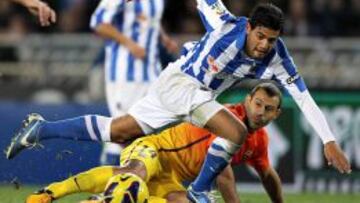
[287,73]
[272,184]
[226,185]
[333,153]
[45,14]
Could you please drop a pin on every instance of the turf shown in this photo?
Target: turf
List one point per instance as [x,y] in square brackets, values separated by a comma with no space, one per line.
[12,195]
[303,198]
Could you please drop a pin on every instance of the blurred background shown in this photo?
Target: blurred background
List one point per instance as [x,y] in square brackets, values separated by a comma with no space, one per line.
[57,71]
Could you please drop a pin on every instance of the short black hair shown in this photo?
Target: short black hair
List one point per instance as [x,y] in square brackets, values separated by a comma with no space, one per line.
[267,15]
[271,90]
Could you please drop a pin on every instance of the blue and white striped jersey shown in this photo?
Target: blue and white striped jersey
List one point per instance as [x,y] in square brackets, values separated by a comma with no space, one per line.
[140,21]
[218,60]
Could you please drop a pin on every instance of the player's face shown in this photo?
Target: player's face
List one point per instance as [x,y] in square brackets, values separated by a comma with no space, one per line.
[261,109]
[260,40]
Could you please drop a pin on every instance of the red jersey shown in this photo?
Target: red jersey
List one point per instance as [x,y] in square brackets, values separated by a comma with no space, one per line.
[185,146]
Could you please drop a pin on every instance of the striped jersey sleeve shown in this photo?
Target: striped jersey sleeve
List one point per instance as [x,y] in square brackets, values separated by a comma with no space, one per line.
[285,72]
[106,11]
[213,13]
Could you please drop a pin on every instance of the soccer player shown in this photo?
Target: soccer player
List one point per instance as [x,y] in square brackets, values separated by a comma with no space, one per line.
[166,160]
[45,14]
[232,49]
[132,61]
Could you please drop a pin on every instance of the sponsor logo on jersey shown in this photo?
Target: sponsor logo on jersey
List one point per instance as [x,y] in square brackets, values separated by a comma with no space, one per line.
[141,17]
[292,79]
[213,67]
[247,155]
[147,151]
[219,10]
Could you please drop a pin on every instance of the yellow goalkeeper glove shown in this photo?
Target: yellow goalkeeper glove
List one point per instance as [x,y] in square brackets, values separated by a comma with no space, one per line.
[42,196]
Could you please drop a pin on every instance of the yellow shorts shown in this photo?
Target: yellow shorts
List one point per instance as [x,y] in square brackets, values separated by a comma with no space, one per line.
[161,180]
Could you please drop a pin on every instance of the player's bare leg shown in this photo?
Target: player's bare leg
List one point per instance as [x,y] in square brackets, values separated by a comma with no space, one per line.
[177,197]
[231,132]
[224,124]
[125,128]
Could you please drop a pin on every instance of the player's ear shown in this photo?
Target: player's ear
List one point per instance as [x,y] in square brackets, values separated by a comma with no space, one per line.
[247,99]
[278,112]
[248,27]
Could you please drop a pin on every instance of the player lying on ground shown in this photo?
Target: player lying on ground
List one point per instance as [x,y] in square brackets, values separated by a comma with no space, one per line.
[232,49]
[176,155]
[45,14]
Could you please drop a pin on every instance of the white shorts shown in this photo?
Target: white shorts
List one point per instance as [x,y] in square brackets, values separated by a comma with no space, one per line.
[175,97]
[121,95]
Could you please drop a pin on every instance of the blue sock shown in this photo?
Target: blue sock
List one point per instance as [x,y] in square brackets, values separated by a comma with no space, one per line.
[217,158]
[88,128]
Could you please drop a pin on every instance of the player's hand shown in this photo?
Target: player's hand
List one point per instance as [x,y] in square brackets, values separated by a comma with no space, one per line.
[336,157]
[45,14]
[136,50]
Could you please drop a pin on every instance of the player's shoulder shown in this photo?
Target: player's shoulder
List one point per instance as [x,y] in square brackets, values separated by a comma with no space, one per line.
[237,109]
[240,22]
[235,22]
[281,49]
[279,52]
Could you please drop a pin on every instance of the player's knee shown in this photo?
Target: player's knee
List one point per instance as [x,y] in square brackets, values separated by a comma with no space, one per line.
[235,133]
[177,196]
[241,132]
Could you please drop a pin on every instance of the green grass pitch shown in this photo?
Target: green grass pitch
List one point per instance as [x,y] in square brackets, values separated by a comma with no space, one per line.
[8,194]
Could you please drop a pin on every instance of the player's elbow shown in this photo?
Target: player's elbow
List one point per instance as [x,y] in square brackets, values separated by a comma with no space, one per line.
[267,173]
